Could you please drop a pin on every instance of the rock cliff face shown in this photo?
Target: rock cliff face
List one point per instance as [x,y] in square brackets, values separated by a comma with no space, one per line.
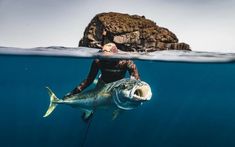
[129,33]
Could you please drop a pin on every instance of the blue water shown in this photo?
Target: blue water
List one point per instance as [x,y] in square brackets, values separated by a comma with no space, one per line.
[192,105]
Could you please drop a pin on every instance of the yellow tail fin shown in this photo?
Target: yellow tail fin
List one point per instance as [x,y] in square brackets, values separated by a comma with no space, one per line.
[52,105]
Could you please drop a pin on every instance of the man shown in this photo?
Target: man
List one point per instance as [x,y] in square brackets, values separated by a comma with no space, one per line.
[111,70]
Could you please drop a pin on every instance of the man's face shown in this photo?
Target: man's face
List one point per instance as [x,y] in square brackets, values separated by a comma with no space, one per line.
[108,49]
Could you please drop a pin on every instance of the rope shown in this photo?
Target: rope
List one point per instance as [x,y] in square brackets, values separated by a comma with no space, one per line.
[88,125]
[87,131]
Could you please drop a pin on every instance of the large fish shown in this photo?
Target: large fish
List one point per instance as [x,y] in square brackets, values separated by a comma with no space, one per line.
[125,94]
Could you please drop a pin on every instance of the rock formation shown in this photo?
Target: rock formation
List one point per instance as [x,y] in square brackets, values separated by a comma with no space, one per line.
[129,33]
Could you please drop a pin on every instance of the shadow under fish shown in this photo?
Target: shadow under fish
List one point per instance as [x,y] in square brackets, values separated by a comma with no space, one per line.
[124,94]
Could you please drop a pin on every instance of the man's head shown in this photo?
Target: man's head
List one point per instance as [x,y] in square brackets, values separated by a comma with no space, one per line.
[109,48]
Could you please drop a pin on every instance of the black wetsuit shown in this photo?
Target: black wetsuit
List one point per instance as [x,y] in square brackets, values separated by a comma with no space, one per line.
[111,70]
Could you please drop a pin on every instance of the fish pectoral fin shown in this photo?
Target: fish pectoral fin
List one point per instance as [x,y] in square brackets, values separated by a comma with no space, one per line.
[115,113]
[87,115]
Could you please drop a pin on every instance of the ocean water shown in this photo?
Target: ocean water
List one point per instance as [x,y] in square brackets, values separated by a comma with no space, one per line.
[193,104]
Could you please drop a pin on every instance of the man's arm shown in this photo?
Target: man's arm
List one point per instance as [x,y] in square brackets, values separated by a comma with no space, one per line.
[132,69]
[90,78]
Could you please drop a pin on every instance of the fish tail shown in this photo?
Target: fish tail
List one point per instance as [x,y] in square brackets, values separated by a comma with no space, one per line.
[53,104]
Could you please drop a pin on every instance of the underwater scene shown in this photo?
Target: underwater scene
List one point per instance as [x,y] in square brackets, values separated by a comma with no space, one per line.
[193,104]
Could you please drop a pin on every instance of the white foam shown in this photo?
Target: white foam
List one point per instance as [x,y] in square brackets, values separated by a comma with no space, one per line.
[84,52]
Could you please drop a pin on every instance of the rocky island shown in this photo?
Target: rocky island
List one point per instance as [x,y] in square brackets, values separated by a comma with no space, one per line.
[132,33]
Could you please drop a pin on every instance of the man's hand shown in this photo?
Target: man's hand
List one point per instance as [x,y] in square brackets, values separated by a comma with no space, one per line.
[73,92]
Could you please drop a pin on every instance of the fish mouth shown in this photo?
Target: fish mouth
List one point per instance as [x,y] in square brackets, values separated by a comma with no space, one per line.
[142,93]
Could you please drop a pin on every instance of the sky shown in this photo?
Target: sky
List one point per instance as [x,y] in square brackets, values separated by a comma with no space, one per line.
[206,25]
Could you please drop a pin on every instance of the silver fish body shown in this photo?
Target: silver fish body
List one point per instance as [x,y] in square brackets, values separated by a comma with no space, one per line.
[125,94]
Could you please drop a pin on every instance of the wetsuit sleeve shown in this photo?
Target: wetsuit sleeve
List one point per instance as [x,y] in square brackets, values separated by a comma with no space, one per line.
[90,78]
[132,69]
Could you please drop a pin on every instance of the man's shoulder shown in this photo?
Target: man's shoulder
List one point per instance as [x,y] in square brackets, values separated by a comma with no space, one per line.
[129,61]
[96,60]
